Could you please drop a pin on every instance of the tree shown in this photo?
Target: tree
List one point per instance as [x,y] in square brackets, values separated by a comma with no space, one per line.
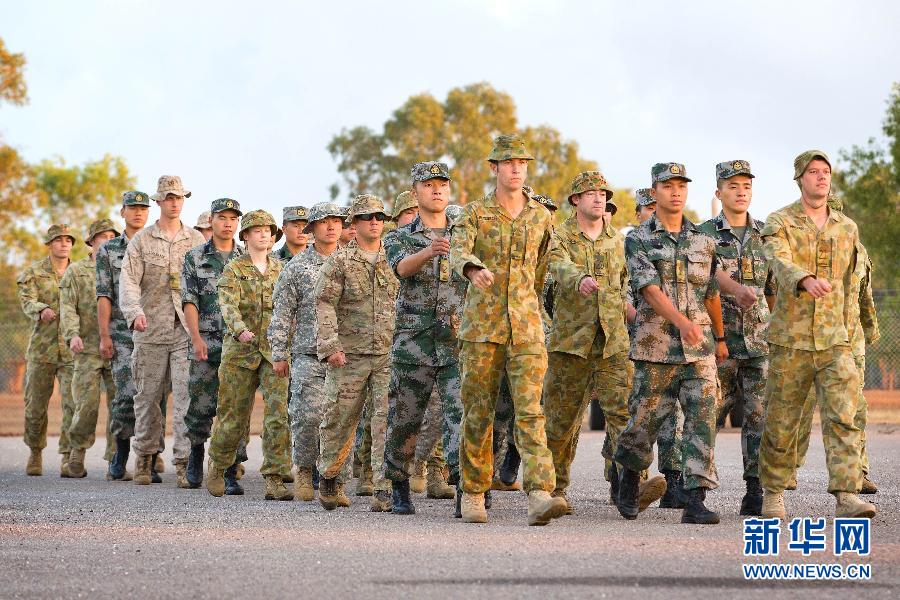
[12,77]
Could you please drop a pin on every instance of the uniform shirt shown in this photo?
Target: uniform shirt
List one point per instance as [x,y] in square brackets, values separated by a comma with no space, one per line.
[150,282]
[203,266]
[744,261]
[294,315]
[796,249]
[108,269]
[283,254]
[576,318]
[245,299]
[429,304]
[355,304]
[683,265]
[862,320]
[514,250]
[38,288]
[78,305]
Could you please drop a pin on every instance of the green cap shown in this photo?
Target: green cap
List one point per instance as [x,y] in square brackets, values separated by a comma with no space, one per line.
[642,197]
[135,198]
[802,161]
[405,200]
[323,210]
[294,213]
[728,169]
[223,204]
[666,171]
[587,181]
[256,218]
[424,171]
[366,204]
[59,230]
[99,227]
[507,147]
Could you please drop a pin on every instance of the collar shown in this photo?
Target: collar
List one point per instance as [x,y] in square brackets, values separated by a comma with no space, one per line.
[723,224]
[182,233]
[655,226]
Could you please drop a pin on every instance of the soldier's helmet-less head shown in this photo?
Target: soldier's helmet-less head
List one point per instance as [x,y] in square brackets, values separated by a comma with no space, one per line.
[508,147]
[366,204]
[169,184]
[666,171]
[257,218]
[60,230]
[99,227]
[405,201]
[322,211]
[589,181]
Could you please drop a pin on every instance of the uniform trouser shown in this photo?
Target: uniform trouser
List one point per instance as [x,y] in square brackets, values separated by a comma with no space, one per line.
[39,378]
[155,368]
[746,378]
[121,413]
[203,389]
[792,373]
[429,446]
[566,396]
[483,365]
[345,395]
[410,393]
[237,390]
[504,424]
[668,441]
[363,440]
[90,370]
[656,389]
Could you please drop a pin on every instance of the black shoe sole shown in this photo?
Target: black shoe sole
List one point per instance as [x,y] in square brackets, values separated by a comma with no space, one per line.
[627,514]
[696,521]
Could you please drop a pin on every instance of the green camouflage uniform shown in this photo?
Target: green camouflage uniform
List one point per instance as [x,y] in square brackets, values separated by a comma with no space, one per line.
[48,357]
[355,312]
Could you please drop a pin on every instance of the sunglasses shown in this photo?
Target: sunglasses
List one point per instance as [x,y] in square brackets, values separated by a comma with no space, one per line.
[377,216]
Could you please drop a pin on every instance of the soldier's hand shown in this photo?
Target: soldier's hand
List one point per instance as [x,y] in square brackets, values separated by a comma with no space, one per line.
[106,347]
[201,350]
[691,333]
[480,277]
[817,288]
[47,315]
[588,286]
[246,336]
[630,312]
[440,246]
[140,323]
[76,345]
[281,368]
[721,352]
[745,297]
[337,360]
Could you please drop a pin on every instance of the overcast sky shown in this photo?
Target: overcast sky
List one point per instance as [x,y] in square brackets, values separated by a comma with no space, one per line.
[240,99]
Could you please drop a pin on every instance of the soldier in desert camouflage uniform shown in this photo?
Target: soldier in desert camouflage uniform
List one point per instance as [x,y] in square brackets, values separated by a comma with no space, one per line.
[204,224]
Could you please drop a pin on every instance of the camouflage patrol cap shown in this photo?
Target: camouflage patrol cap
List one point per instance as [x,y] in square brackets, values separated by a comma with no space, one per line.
[730,168]
[424,171]
[59,230]
[508,146]
[802,161]
[323,210]
[99,227]
[642,197]
[453,212]
[294,213]
[204,221]
[545,201]
[405,201]
[366,204]
[222,204]
[587,181]
[257,218]
[169,184]
[611,207]
[135,198]
[666,171]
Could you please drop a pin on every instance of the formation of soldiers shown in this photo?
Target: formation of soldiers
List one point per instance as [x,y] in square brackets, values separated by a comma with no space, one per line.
[464,343]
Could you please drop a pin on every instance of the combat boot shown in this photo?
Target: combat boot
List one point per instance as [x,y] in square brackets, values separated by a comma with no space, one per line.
[364,485]
[118,467]
[542,507]
[627,502]
[613,484]
[64,465]
[437,488]
[155,470]
[459,494]
[674,496]
[288,477]
[497,484]
[562,494]
[751,504]
[275,489]
[417,479]
[488,500]
[792,483]
[239,472]
[852,506]
[509,469]
[381,501]
[195,466]
[650,491]
[868,486]
[158,465]
[35,464]
[232,486]
[142,469]
[473,510]
[696,511]
[215,479]
[181,479]
[303,487]
[75,466]
[773,505]
[328,493]
[402,505]
[342,500]
[315,478]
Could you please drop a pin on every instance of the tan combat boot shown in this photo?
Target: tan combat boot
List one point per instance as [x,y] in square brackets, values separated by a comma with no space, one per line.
[75,466]
[239,471]
[650,491]
[473,510]
[381,502]
[542,507]
[498,484]
[288,477]
[303,485]
[773,505]
[852,506]
[341,498]
[792,484]
[142,465]
[437,487]
[562,494]
[868,486]
[64,465]
[215,479]
[275,489]
[35,464]
[417,479]
[181,479]
[160,465]
[364,485]
[328,493]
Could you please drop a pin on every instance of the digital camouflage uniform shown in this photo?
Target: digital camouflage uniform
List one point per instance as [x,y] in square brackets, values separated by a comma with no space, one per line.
[355,314]
[48,356]
[290,213]
[667,371]
[245,302]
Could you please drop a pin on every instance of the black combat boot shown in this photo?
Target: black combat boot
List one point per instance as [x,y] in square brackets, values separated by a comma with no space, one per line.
[154,476]
[402,505]
[751,505]
[614,484]
[315,478]
[674,496]
[232,485]
[509,470]
[459,494]
[696,512]
[487,500]
[117,466]
[628,493]
[195,466]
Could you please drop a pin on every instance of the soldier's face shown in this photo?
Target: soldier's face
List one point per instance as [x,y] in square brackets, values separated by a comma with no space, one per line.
[432,195]
[510,173]
[135,216]
[100,239]
[170,208]
[348,232]
[259,238]
[645,212]
[328,230]
[206,233]
[815,183]
[735,193]
[591,205]
[224,224]
[368,231]
[670,195]
[293,233]
[61,247]
[407,216]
